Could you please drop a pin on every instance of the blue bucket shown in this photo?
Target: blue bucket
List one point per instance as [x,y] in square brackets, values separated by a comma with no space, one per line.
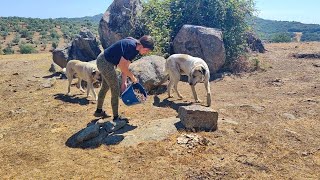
[129,98]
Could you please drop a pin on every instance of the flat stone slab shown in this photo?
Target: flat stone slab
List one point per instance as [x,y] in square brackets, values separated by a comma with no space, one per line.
[197,118]
[155,130]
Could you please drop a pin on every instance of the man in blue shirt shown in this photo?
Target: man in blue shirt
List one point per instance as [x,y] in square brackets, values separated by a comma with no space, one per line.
[120,54]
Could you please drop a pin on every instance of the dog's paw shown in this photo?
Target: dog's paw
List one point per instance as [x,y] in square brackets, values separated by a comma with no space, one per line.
[68,94]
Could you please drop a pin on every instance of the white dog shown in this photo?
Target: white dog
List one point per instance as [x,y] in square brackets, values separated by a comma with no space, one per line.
[83,71]
[195,68]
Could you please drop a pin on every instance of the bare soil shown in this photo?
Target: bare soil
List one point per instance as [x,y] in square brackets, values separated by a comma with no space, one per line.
[268,125]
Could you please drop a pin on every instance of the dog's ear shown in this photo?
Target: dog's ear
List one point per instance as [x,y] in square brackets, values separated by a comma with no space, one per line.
[203,70]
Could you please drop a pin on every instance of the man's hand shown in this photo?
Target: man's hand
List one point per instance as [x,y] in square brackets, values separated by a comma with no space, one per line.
[134,80]
[123,87]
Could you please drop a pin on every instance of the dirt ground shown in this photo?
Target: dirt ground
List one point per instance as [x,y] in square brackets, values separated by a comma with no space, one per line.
[268,125]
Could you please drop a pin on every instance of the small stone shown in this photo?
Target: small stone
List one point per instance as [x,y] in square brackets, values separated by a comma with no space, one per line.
[289,116]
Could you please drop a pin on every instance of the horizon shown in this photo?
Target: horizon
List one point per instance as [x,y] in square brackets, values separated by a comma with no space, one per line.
[285,10]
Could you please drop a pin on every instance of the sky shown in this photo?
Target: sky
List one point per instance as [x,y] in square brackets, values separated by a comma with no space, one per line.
[305,11]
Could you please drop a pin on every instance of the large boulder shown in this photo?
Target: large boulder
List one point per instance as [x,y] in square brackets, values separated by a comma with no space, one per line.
[84,47]
[118,20]
[254,43]
[150,71]
[206,43]
[60,56]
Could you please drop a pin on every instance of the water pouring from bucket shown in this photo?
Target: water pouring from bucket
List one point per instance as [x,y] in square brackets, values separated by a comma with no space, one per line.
[134,94]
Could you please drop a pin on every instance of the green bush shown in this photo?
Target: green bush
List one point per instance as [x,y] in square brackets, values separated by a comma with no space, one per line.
[155,21]
[8,50]
[16,39]
[281,37]
[27,49]
[55,44]
[163,19]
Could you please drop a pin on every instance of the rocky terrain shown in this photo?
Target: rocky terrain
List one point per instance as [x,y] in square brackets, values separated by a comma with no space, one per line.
[268,125]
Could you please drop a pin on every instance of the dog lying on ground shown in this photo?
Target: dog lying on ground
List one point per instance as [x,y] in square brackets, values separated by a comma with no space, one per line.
[195,68]
[83,71]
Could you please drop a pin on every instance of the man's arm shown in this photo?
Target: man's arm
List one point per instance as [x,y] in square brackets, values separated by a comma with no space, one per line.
[124,67]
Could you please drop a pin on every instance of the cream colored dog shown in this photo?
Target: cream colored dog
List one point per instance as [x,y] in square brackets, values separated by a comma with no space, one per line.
[195,68]
[83,71]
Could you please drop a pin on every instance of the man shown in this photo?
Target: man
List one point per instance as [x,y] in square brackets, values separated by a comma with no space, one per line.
[120,54]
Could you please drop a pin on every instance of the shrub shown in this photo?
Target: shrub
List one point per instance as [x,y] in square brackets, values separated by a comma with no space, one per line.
[55,44]
[281,37]
[54,34]
[8,50]
[27,49]
[16,39]
[163,19]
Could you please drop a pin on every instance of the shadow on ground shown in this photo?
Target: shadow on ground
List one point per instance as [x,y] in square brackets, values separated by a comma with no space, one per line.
[71,99]
[104,137]
[167,103]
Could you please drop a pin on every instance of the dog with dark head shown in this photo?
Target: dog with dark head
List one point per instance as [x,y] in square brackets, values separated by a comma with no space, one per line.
[83,71]
[195,68]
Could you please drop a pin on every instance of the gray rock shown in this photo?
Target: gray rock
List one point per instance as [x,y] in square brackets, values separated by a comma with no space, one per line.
[53,68]
[117,22]
[155,130]
[88,133]
[60,57]
[254,43]
[95,141]
[196,117]
[206,43]
[49,83]
[150,71]
[84,47]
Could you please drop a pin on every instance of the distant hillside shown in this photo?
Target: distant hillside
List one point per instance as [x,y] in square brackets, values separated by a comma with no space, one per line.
[41,35]
[267,29]
[92,19]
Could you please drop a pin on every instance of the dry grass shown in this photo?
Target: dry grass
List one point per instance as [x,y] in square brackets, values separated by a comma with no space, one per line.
[255,140]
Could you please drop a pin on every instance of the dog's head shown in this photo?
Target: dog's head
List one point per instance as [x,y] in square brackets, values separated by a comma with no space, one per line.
[96,75]
[197,75]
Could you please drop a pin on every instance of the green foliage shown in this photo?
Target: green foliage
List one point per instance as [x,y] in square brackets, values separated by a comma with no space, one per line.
[27,49]
[4,34]
[163,19]
[8,50]
[54,34]
[55,44]
[16,39]
[281,37]
[155,21]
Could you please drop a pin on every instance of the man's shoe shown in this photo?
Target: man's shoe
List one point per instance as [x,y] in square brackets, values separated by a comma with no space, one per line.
[102,114]
[119,118]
